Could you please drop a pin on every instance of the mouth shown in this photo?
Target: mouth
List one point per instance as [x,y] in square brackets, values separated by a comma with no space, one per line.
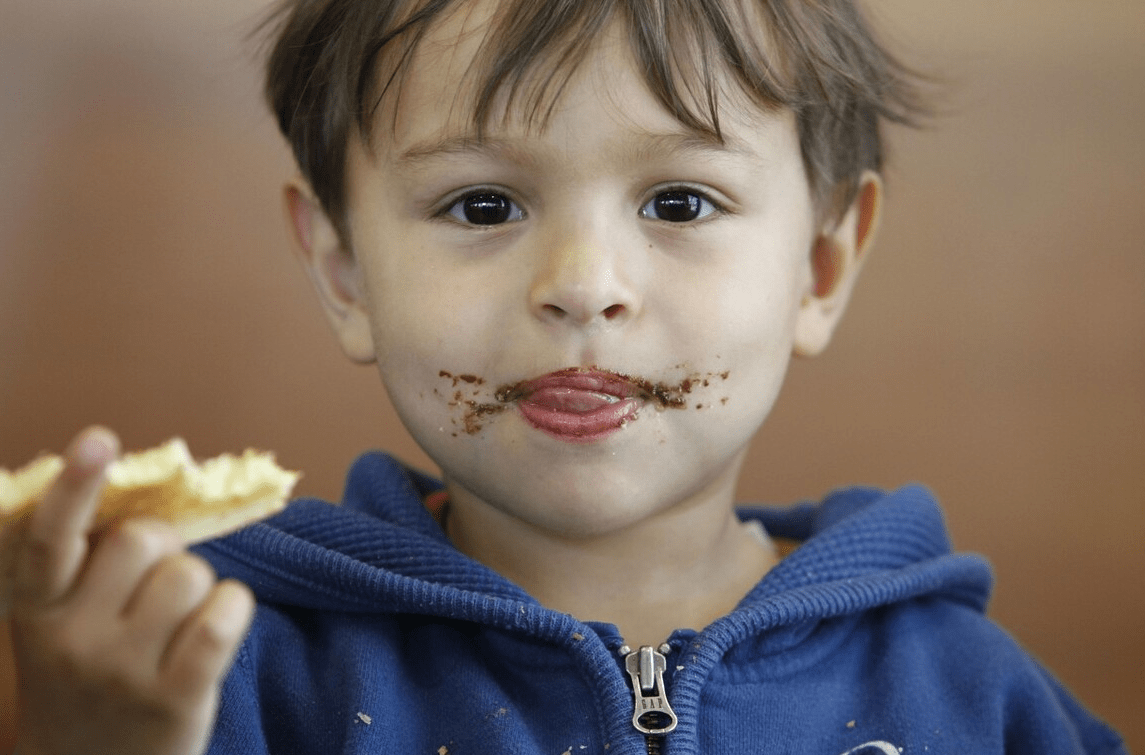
[577,405]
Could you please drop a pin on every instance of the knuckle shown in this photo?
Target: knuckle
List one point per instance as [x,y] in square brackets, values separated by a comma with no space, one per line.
[215,633]
[185,574]
[37,553]
[148,530]
[200,658]
[143,539]
[198,566]
[211,636]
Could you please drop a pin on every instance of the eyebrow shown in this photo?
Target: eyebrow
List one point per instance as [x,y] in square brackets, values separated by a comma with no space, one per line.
[461,145]
[687,144]
[642,148]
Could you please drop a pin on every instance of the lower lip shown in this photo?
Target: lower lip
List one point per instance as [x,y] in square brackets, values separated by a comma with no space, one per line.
[577,416]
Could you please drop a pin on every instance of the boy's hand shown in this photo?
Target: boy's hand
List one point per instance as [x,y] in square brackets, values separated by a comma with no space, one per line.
[121,645]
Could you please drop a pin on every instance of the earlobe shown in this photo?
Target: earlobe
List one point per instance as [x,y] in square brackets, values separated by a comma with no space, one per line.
[332,270]
[837,255]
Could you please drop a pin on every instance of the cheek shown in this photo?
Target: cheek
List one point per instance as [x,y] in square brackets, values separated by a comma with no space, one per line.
[415,303]
[437,335]
[747,329]
[748,311]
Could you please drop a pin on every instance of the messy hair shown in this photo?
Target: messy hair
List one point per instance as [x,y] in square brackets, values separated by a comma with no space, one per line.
[332,62]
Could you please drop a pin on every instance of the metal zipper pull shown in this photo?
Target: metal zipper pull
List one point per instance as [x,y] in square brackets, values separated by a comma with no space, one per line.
[653,716]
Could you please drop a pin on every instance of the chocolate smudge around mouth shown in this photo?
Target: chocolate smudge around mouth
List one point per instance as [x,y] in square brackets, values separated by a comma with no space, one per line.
[663,394]
[476,412]
[471,379]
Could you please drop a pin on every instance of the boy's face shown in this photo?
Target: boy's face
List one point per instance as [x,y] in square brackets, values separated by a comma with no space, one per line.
[583,324]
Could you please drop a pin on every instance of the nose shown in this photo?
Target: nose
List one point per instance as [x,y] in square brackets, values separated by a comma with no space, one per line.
[583,281]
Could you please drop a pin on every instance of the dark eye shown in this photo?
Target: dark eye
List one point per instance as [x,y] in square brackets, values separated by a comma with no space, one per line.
[485,208]
[678,206]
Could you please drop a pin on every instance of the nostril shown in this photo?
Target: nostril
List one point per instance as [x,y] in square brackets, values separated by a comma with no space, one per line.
[557,313]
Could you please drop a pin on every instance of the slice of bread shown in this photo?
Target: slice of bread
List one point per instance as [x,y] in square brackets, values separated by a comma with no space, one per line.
[200,500]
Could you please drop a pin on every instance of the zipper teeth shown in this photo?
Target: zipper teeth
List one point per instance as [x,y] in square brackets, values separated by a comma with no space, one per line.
[653,744]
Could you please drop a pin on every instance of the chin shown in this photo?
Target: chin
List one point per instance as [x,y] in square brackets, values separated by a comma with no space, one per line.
[578,498]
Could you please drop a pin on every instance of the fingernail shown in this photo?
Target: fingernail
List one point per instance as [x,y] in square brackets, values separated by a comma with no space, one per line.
[95,448]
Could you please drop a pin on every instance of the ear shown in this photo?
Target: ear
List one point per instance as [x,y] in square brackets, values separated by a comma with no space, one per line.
[332,270]
[836,258]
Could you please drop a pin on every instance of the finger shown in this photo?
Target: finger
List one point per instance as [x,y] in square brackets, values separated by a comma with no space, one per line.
[171,593]
[205,644]
[55,544]
[119,565]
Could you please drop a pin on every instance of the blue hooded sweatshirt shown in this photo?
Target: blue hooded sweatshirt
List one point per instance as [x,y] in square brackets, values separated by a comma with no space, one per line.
[373,634]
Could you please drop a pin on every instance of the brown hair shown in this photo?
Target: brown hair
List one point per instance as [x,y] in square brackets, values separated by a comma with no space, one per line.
[818,58]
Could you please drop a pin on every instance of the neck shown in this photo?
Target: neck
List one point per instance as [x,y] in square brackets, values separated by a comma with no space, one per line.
[682,567]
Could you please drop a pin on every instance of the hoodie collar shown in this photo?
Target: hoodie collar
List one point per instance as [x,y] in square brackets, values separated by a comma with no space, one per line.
[381,550]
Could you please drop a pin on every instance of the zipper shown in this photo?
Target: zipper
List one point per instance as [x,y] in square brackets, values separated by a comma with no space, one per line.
[652,716]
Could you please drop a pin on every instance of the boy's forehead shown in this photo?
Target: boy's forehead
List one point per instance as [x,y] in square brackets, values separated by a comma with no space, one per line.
[430,105]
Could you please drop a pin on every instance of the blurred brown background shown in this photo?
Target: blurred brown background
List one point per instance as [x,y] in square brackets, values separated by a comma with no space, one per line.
[995,349]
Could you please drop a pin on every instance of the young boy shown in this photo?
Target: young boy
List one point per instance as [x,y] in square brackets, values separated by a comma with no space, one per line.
[580,241]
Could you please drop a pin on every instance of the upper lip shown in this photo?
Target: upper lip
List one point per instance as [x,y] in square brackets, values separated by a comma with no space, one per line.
[575,378]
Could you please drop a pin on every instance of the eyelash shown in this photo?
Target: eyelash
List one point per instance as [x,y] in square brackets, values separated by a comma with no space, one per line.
[501,202]
[704,203]
[454,208]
